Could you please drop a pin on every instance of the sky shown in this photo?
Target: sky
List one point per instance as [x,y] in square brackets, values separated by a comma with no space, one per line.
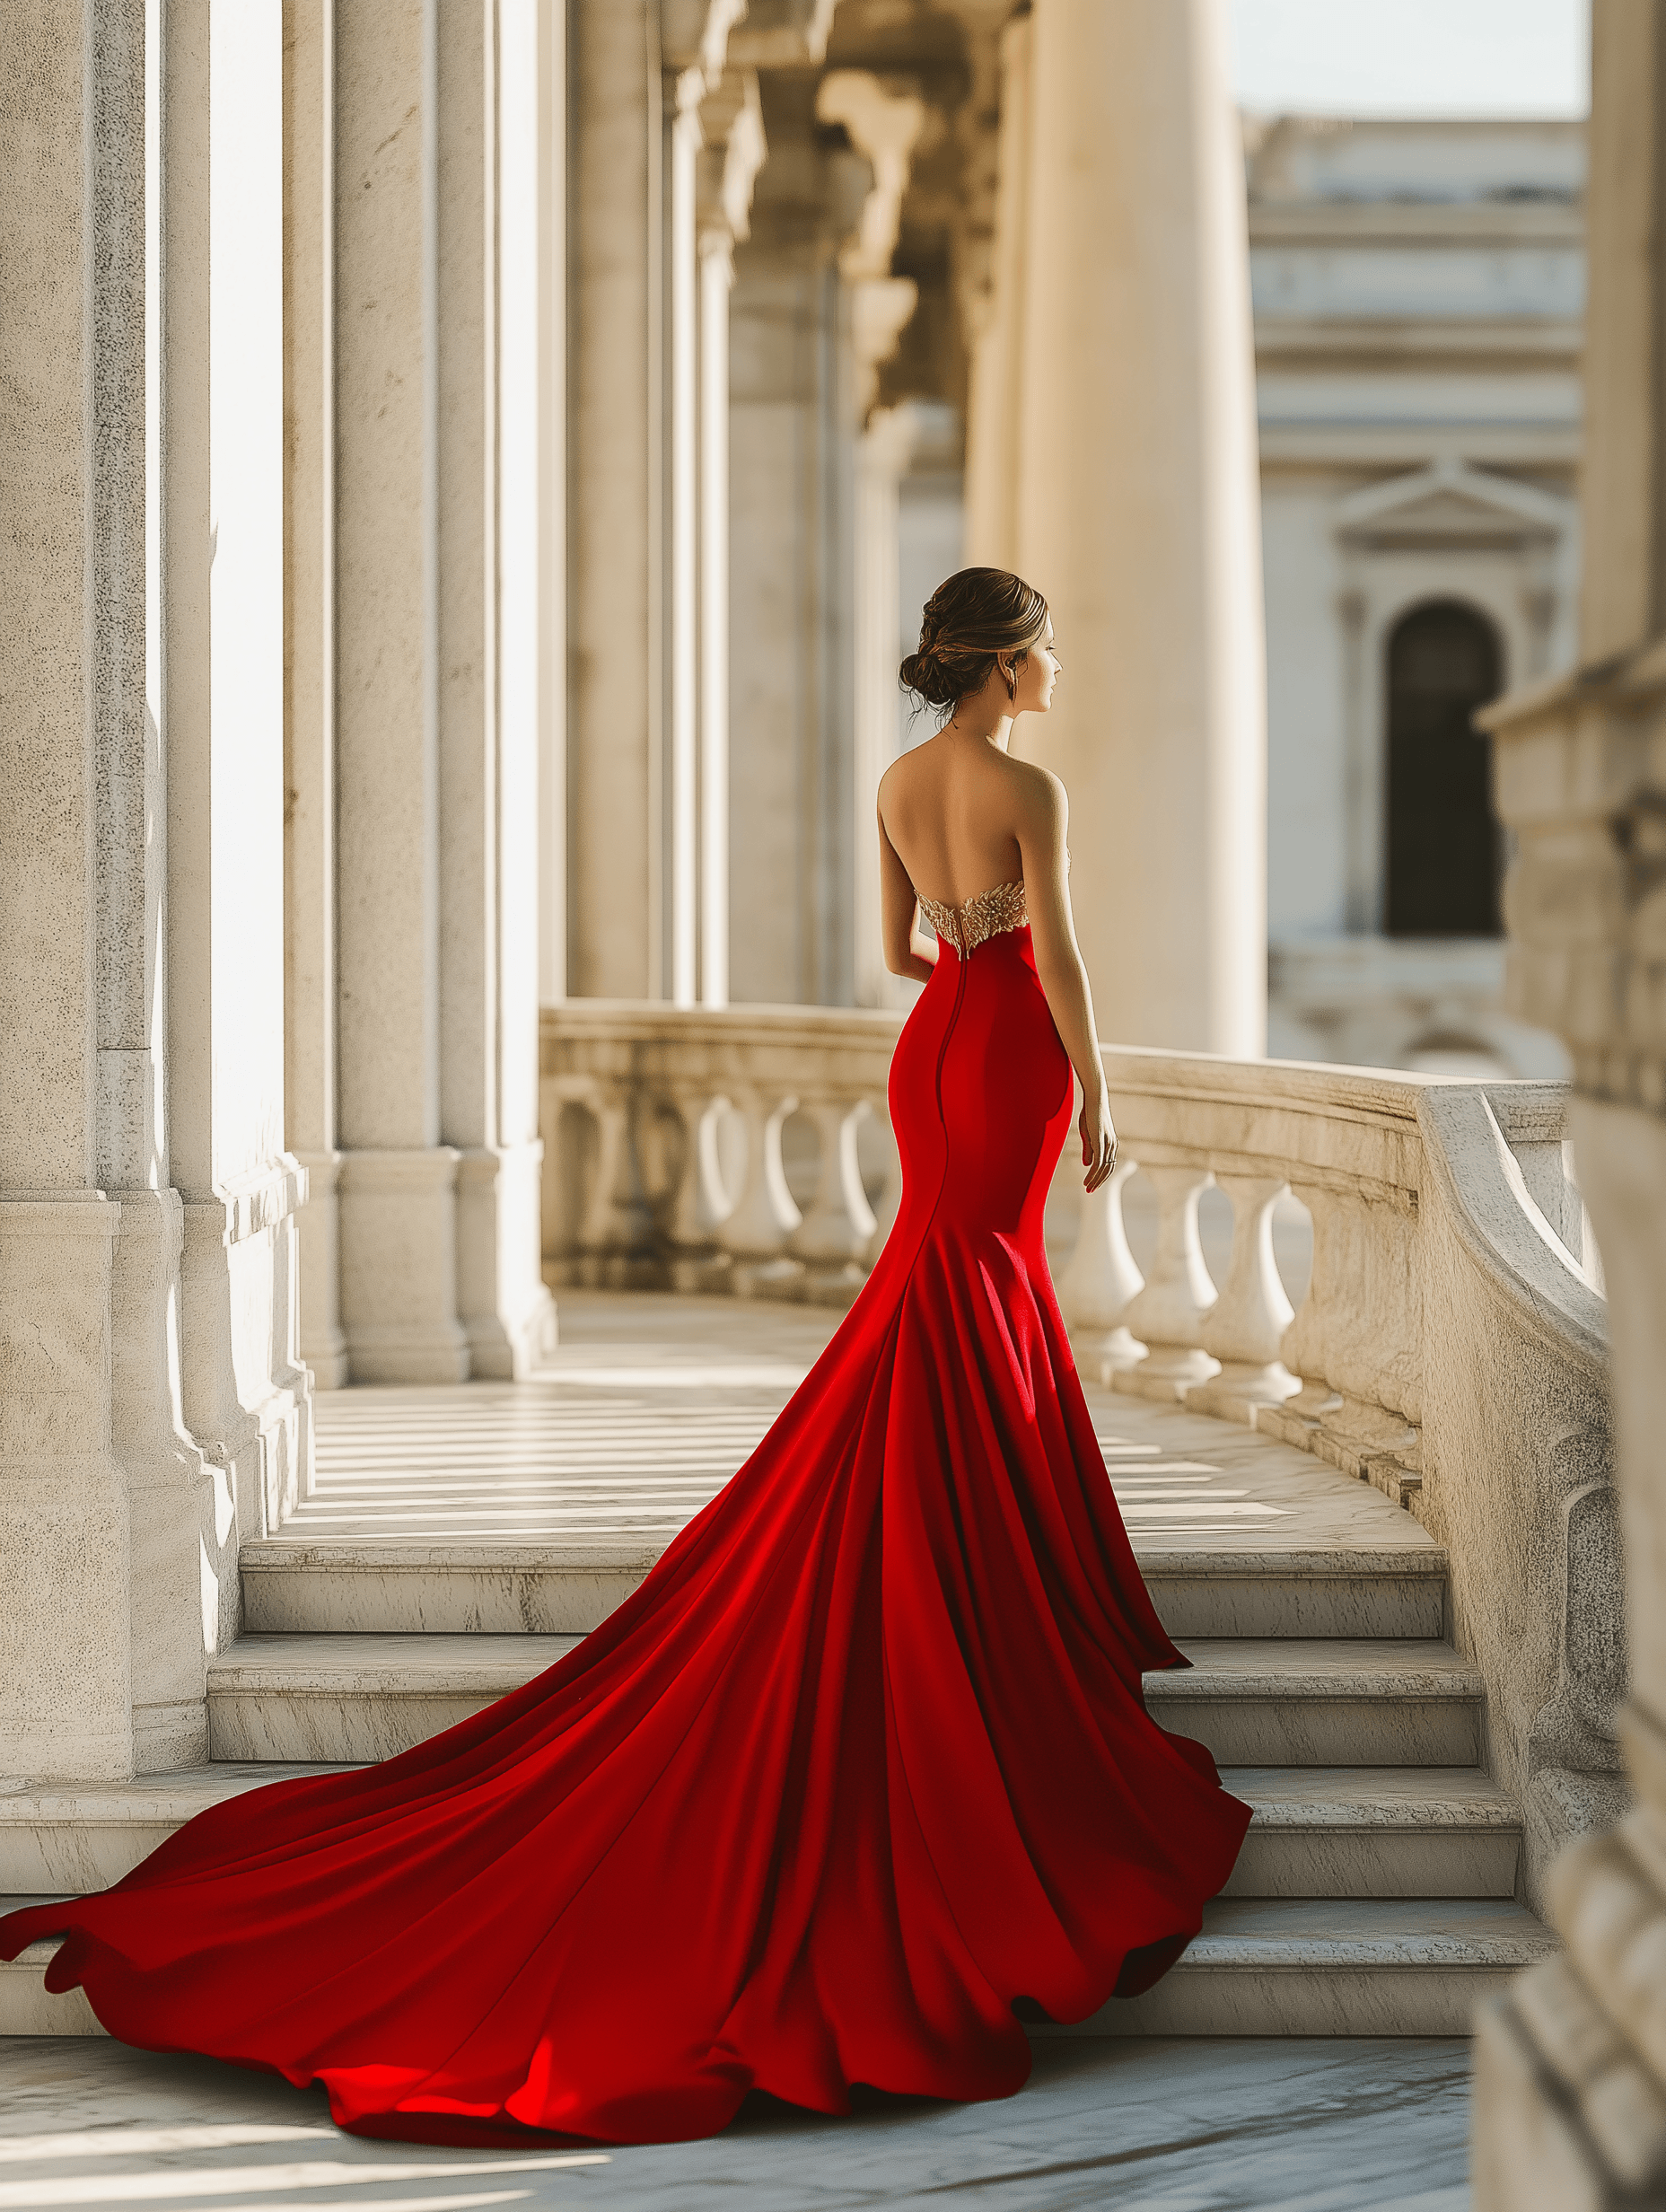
[1468,57]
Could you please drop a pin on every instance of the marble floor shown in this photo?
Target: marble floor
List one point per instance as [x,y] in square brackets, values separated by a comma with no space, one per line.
[1296,2125]
[651,1403]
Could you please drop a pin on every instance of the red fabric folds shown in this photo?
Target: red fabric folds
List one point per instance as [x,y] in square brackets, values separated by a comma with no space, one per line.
[864,1761]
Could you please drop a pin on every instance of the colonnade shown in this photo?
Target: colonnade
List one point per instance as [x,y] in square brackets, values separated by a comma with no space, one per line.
[424,287]
[451,564]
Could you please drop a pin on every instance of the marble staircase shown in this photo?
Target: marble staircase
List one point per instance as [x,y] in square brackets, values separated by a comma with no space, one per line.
[458,1543]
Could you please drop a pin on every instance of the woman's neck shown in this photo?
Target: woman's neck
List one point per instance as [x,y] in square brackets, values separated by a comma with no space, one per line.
[974,726]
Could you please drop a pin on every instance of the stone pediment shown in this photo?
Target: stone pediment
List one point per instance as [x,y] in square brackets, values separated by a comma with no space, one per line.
[1451,506]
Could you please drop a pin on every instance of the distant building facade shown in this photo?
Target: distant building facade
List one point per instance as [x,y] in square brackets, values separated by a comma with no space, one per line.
[1418,290]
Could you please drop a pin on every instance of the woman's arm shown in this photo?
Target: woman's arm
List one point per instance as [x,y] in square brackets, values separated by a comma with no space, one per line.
[1044,822]
[906,951]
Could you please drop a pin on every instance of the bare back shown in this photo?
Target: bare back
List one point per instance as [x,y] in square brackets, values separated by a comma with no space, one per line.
[954,809]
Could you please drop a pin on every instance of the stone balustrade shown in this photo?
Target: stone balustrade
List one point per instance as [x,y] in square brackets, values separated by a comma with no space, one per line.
[673,1170]
[1451,1346]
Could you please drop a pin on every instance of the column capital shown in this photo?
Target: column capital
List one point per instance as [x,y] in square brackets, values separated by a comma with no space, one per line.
[884,118]
[732,125]
[694,37]
[782,34]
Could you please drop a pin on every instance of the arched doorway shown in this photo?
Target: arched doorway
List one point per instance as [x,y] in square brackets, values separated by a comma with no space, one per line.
[1444,858]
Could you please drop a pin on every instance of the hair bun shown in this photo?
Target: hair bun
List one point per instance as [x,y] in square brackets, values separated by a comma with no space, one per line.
[975,614]
[925,674]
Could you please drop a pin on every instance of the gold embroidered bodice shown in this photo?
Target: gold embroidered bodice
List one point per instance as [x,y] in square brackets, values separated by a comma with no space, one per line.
[987,915]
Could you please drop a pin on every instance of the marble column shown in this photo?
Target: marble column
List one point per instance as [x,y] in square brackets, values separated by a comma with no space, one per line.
[154,1411]
[884,124]
[617,917]
[309,978]
[995,367]
[246,1394]
[684,139]
[491,288]
[441,278]
[1569,2106]
[792,424]
[882,455]
[72,352]
[554,574]
[398,1179]
[1121,355]
[733,151]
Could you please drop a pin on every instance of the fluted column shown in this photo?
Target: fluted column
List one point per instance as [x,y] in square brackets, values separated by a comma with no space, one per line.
[792,469]
[1570,2103]
[1121,350]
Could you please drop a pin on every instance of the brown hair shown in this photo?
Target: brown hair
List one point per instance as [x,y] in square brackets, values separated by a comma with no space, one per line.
[977,613]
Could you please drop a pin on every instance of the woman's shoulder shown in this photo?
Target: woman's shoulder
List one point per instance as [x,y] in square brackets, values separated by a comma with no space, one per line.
[1040,792]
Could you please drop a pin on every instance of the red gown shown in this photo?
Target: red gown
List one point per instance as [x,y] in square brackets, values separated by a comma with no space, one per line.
[864,1760]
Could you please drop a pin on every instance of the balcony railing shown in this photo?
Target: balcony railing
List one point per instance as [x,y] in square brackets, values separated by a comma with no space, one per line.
[1449,1347]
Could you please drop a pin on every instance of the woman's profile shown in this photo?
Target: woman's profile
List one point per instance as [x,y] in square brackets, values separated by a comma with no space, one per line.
[865,1762]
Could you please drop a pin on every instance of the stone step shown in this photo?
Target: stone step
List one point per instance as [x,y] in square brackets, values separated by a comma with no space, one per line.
[1319,1832]
[1375,1831]
[1325,1702]
[27,2007]
[497,1586]
[64,1838]
[1384,1702]
[1262,1966]
[1321,1966]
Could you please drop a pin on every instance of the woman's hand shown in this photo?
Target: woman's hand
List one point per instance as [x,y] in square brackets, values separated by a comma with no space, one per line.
[1098,1139]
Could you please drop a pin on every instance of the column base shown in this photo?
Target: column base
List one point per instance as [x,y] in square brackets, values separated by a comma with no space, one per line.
[175,1509]
[66,1672]
[503,1303]
[318,1231]
[247,1400]
[397,1227]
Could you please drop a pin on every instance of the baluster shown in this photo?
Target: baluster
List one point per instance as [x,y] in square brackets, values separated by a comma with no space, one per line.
[699,1203]
[718,1185]
[835,1233]
[613,1226]
[1303,1349]
[756,1233]
[569,1177]
[890,1198]
[1166,1316]
[1352,1343]
[1101,1278]
[1246,1325]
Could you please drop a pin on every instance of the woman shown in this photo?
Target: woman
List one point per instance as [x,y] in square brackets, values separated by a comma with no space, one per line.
[864,1760]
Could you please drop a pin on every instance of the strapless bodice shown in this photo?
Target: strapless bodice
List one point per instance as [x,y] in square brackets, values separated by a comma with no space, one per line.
[989,914]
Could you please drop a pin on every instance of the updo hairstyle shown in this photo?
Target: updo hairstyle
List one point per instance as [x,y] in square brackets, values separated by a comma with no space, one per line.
[977,613]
